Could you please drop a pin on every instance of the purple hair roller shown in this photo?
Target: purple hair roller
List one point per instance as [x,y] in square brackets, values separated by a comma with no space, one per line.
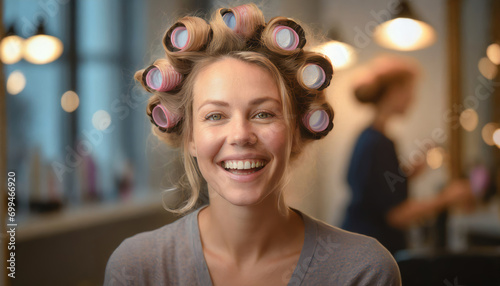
[180,37]
[316,120]
[313,76]
[163,78]
[286,38]
[164,118]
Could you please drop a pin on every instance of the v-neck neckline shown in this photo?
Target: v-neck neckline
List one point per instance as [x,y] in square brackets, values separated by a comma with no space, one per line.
[305,258]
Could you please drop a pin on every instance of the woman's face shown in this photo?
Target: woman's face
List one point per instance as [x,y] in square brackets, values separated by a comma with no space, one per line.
[400,96]
[240,137]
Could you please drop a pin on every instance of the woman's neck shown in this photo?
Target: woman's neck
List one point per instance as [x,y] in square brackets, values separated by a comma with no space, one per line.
[380,121]
[245,234]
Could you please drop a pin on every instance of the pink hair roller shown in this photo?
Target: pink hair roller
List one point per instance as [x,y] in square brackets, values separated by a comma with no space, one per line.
[286,38]
[164,118]
[162,77]
[316,120]
[187,35]
[313,76]
[234,19]
[180,37]
[243,20]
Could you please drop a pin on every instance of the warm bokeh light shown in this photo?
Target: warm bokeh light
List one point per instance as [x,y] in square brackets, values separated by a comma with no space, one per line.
[341,54]
[496,137]
[493,53]
[404,34]
[11,49]
[487,132]
[435,157]
[488,69]
[16,82]
[469,119]
[42,49]
[70,101]
[101,120]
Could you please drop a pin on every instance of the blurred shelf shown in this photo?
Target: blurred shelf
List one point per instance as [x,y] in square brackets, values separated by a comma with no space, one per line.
[73,218]
[484,220]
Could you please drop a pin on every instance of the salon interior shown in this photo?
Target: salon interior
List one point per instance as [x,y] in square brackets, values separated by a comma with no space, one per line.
[89,172]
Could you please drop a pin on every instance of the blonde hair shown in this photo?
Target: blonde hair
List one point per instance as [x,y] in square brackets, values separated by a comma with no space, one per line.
[250,42]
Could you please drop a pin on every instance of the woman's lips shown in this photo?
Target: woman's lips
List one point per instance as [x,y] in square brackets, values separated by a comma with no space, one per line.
[244,175]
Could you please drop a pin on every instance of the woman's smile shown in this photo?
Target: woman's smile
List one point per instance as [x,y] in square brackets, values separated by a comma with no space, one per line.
[243,170]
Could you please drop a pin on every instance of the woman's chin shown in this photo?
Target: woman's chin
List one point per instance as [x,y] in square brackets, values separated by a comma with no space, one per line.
[243,198]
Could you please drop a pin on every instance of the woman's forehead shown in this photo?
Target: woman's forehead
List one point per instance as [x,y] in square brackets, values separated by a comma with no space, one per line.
[232,79]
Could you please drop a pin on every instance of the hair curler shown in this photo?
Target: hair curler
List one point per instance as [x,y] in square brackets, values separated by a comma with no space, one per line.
[316,120]
[188,34]
[243,19]
[230,20]
[180,37]
[163,118]
[315,74]
[161,76]
[283,36]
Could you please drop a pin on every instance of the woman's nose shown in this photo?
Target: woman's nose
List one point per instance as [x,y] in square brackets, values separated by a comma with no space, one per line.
[241,132]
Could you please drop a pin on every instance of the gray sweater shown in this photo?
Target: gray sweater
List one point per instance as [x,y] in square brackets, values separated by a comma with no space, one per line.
[173,255]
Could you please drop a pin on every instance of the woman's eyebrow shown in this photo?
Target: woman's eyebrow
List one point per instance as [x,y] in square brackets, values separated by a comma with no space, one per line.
[254,102]
[261,100]
[214,102]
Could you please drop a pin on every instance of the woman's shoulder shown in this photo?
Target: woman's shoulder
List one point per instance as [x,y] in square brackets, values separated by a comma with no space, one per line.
[165,236]
[352,244]
[144,256]
[370,136]
[351,258]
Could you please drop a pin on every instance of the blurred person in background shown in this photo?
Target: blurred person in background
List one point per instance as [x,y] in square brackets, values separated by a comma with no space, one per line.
[380,206]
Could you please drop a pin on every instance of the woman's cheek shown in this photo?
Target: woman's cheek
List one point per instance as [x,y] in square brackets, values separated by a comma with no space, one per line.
[208,141]
[276,135]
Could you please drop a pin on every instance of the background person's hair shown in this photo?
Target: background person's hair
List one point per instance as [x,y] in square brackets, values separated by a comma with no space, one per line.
[375,91]
[372,81]
[211,43]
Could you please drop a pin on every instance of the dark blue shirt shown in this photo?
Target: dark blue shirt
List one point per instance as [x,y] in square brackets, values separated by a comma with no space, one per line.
[377,185]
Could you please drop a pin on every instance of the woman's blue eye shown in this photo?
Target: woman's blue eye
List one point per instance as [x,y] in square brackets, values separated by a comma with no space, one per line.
[263,115]
[214,117]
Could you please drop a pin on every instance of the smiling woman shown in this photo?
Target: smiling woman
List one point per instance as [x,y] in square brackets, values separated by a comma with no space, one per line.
[238,121]
[241,99]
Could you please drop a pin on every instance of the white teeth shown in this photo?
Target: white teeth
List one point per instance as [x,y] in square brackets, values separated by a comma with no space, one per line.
[243,165]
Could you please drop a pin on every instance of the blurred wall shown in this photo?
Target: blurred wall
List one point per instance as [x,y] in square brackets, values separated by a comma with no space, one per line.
[476,17]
